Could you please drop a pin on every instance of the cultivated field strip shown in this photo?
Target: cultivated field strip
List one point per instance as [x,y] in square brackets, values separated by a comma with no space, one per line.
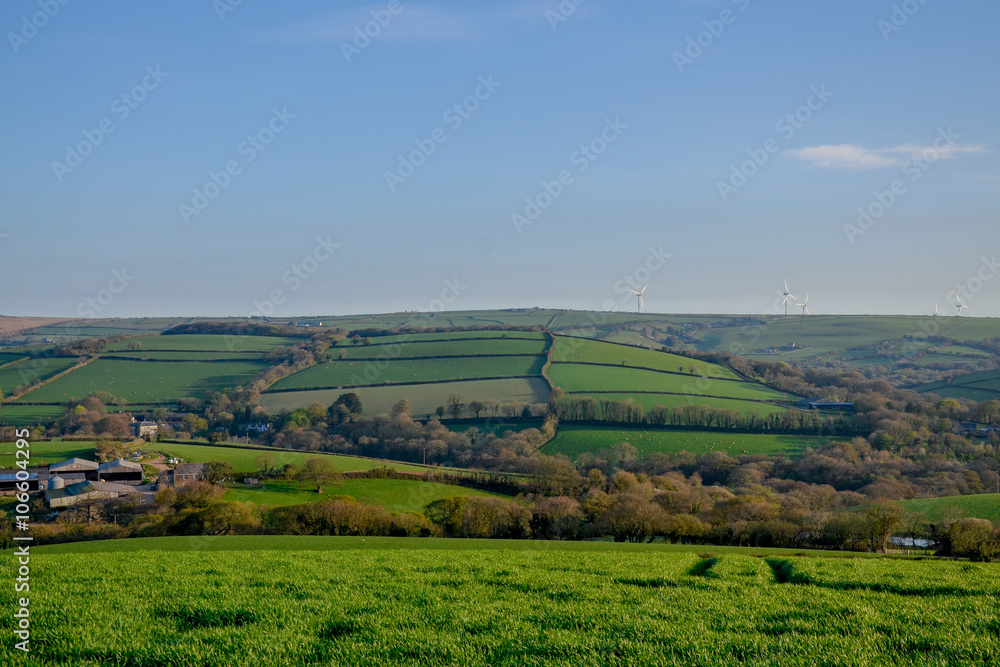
[469,607]
[580,350]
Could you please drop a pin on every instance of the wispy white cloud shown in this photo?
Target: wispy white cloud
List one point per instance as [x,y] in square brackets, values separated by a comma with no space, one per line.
[416,22]
[851,156]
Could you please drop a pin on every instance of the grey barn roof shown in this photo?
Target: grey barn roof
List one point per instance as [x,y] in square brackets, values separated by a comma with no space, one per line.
[75,464]
[121,463]
[87,487]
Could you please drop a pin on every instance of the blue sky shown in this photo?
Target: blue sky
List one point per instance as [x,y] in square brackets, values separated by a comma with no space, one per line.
[226,159]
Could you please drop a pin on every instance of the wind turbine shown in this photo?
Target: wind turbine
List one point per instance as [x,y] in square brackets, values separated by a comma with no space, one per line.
[961,306]
[936,312]
[788,295]
[804,305]
[638,296]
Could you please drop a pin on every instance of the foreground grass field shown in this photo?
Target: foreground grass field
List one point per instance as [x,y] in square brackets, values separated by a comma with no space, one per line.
[575,440]
[375,606]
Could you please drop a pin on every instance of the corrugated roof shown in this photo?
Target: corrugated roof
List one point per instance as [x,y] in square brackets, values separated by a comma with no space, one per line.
[75,462]
[120,463]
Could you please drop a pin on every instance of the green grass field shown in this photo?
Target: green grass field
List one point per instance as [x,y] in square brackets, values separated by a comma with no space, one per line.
[599,352]
[395,495]
[206,342]
[980,506]
[575,440]
[28,370]
[185,355]
[650,401]
[442,336]
[975,386]
[146,382]
[424,398]
[352,373]
[28,415]
[372,605]
[244,459]
[478,347]
[43,452]
[209,543]
[578,378]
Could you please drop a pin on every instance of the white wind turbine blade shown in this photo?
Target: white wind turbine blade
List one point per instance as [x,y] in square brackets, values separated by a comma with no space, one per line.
[641,304]
[643,289]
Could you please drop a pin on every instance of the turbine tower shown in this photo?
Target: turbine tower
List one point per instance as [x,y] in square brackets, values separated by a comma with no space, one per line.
[788,295]
[804,305]
[937,313]
[638,296]
[961,306]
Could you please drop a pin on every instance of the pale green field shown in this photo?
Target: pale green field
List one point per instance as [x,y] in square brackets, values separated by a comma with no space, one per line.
[244,459]
[424,398]
[575,440]
[206,342]
[395,495]
[593,379]
[598,352]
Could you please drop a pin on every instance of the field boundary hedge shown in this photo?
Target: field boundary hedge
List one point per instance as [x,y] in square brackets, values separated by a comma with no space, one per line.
[403,384]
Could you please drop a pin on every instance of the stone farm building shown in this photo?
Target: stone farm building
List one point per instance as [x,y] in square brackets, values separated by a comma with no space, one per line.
[183,475]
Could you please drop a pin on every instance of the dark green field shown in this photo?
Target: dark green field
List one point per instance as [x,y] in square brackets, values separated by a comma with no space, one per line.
[351,373]
[146,382]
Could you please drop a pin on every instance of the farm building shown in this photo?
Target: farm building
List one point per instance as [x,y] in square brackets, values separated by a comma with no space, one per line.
[125,472]
[145,429]
[9,480]
[183,475]
[76,470]
[67,496]
[824,404]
